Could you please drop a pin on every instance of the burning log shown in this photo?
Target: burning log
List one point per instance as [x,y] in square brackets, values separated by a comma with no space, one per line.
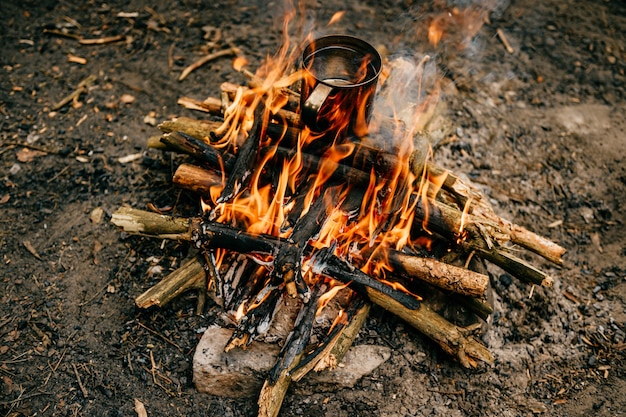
[215,235]
[242,168]
[213,106]
[449,337]
[445,276]
[327,355]
[360,197]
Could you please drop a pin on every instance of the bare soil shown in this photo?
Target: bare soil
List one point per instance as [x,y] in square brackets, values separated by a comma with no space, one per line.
[541,130]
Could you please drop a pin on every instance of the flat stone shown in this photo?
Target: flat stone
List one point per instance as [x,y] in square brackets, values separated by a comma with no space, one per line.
[235,374]
[359,361]
[240,373]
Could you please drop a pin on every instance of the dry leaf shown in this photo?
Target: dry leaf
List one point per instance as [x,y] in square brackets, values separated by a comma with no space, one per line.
[27,155]
[129,158]
[140,409]
[127,98]
[5,198]
[595,239]
[29,247]
[96,215]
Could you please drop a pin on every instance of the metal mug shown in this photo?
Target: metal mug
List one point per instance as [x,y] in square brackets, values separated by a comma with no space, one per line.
[339,83]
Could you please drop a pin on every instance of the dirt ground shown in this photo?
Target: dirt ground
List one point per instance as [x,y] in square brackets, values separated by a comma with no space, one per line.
[540,130]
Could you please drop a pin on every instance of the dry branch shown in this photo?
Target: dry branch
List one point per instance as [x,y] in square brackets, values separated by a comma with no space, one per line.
[191,275]
[449,337]
[207,58]
[445,276]
[196,179]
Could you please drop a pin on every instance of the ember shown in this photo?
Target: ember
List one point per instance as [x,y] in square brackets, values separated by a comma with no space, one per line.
[289,212]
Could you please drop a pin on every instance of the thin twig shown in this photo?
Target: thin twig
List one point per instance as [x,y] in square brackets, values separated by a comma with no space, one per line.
[80,383]
[102,41]
[505,41]
[154,332]
[207,58]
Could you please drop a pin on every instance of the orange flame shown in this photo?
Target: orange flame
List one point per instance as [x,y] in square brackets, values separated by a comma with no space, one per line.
[386,214]
[327,296]
[336,18]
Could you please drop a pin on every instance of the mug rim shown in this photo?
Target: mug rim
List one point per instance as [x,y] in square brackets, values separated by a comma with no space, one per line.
[327,41]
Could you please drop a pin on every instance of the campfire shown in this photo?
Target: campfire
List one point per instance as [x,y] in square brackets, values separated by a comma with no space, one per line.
[322,189]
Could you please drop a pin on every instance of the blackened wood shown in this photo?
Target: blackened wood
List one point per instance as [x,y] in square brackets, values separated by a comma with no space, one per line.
[200,150]
[246,156]
[448,336]
[337,342]
[288,261]
[257,319]
[299,338]
[208,234]
[326,263]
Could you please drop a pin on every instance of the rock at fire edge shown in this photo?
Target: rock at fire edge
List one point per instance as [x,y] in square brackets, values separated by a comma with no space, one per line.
[240,373]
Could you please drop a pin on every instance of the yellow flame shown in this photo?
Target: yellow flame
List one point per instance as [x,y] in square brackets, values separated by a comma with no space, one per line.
[336,18]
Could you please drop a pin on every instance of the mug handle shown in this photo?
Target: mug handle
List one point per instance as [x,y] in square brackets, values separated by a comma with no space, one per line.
[313,104]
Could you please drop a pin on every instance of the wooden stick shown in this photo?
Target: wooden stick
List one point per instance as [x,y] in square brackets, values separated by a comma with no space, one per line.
[272,395]
[482,212]
[447,222]
[191,275]
[275,386]
[208,58]
[505,41]
[200,129]
[213,105]
[143,222]
[449,337]
[445,276]
[210,234]
[102,41]
[196,179]
[293,98]
[331,352]
[80,89]
[242,167]
[201,151]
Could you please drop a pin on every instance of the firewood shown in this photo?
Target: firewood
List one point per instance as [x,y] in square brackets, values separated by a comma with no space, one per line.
[213,235]
[146,223]
[287,264]
[213,105]
[449,337]
[331,351]
[293,98]
[191,275]
[483,213]
[445,276]
[242,168]
[300,336]
[258,318]
[196,179]
[200,129]
[277,383]
[197,148]
[447,221]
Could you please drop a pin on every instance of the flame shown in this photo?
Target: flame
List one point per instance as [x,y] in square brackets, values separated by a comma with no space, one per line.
[327,296]
[457,26]
[336,18]
[386,214]
[239,62]
[435,30]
